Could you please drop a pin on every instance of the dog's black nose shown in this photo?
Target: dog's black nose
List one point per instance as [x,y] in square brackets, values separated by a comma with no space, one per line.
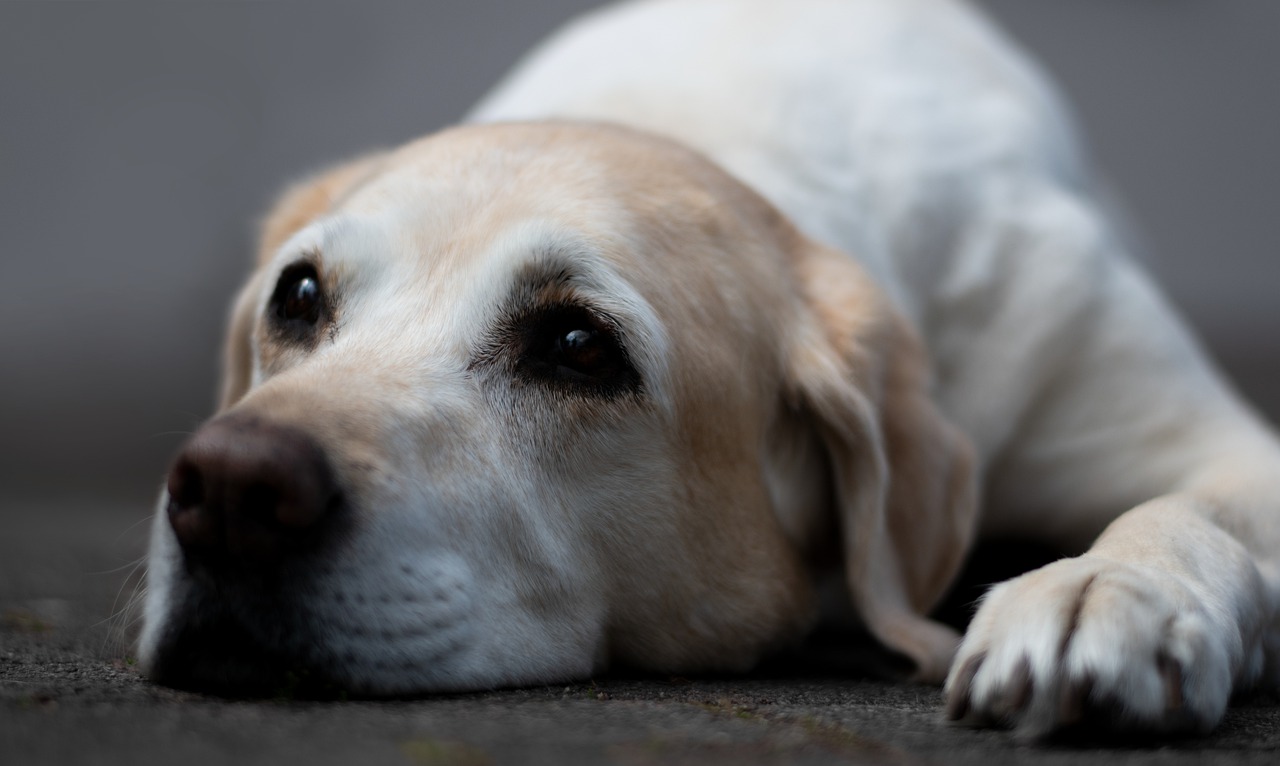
[247,489]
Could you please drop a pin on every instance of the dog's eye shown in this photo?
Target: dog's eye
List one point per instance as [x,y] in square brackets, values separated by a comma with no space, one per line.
[298,300]
[573,346]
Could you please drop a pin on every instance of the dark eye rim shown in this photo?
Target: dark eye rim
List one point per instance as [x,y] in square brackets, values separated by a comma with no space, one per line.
[299,328]
[533,334]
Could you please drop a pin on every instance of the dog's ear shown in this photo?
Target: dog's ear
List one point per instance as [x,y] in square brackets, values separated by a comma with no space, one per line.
[237,351]
[903,476]
[298,206]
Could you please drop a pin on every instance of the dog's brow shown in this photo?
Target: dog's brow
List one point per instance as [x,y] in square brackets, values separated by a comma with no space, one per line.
[547,279]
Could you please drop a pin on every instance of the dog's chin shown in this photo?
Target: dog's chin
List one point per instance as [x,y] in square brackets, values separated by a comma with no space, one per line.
[272,634]
[222,657]
[233,636]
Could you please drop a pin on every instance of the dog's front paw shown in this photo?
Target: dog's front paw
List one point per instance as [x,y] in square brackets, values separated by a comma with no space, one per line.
[1093,641]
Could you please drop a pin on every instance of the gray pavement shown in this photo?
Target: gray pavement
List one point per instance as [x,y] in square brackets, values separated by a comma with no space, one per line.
[69,694]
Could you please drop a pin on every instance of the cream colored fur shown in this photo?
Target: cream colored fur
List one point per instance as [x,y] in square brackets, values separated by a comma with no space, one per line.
[926,304]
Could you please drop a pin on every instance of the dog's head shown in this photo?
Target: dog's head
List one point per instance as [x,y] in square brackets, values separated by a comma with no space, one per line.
[516,401]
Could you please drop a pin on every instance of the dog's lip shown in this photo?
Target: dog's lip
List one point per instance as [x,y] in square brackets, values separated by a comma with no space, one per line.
[300,632]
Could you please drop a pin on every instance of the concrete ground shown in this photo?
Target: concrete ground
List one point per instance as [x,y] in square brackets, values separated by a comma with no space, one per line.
[69,694]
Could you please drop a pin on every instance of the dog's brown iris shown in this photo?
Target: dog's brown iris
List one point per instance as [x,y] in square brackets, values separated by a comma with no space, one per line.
[302,300]
[580,350]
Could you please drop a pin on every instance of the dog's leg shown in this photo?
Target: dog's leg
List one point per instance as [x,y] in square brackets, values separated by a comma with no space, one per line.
[1175,603]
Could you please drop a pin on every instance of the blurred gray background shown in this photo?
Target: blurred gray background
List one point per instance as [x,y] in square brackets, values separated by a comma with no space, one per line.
[140,141]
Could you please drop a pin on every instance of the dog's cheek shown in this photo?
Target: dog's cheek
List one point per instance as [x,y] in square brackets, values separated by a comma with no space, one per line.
[522,539]
[710,582]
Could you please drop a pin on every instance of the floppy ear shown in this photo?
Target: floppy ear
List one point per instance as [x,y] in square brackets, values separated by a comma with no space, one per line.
[903,475]
[298,206]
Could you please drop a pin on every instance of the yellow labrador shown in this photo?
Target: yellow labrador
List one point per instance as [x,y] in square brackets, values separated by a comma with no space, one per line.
[521,400]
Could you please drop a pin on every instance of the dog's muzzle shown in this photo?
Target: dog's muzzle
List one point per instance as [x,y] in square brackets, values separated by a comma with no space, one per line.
[253,506]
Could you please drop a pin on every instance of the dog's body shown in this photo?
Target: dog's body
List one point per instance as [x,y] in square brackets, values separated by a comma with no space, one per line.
[751,410]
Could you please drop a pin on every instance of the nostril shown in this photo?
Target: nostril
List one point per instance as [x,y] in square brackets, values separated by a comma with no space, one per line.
[186,485]
[193,528]
[192,523]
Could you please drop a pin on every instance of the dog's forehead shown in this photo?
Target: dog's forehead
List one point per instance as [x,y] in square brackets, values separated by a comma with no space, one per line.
[465,174]
[657,211]
[597,179]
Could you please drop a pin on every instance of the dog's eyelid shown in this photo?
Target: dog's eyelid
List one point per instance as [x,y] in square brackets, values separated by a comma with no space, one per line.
[310,257]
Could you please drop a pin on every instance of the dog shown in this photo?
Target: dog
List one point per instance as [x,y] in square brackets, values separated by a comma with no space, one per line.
[716,319]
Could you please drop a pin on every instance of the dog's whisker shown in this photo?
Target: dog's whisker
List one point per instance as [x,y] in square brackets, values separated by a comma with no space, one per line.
[117,616]
[141,520]
[131,564]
